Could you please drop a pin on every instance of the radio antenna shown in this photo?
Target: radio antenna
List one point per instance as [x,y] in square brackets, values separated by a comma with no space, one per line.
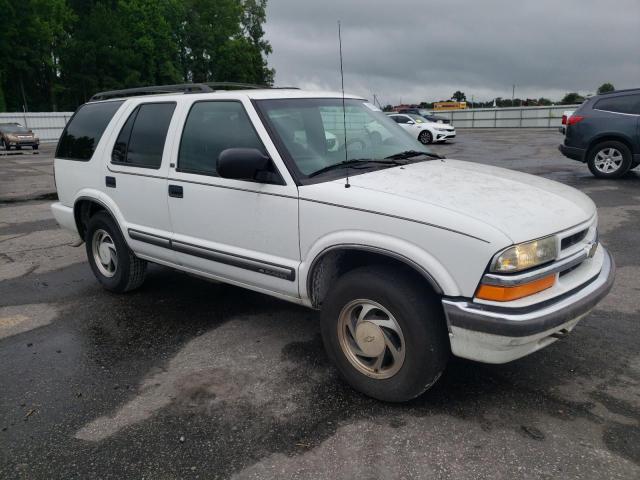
[344,115]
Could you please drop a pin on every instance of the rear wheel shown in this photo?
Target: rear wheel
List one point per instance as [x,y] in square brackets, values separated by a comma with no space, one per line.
[385,334]
[610,159]
[425,137]
[112,261]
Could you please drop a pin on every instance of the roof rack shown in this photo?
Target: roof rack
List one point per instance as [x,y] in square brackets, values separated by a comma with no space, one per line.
[182,87]
[618,91]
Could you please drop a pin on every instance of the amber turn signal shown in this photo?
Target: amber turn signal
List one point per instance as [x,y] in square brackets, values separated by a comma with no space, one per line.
[498,293]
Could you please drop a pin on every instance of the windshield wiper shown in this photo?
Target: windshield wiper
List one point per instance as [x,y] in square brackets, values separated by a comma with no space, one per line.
[356,161]
[412,153]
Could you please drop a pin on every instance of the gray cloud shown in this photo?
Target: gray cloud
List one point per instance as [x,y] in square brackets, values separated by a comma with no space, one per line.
[412,50]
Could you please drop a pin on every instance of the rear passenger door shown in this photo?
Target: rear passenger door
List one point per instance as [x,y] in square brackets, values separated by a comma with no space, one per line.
[137,177]
[243,231]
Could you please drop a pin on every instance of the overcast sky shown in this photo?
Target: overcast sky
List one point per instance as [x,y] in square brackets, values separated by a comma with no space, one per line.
[415,50]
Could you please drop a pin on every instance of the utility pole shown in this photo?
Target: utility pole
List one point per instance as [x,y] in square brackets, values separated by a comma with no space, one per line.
[513,94]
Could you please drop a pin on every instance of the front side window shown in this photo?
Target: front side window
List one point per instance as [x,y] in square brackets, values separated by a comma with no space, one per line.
[83,132]
[142,138]
[211,127]
[400,119]
[620,104]
[312,130]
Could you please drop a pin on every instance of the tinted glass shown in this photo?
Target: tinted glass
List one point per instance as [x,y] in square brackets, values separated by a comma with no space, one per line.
[83,132]
[620,104]
[146,131]
[119,154]
[400,119]
[212,127]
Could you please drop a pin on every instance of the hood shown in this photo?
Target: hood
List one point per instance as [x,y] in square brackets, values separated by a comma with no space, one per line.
[464,196]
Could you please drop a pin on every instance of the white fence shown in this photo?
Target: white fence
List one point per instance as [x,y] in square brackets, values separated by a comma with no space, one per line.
[47,125]
[512,117]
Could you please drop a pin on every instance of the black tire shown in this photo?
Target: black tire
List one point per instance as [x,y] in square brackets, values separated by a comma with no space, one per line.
[418,313]
[129,270]
[35,147]
[425,137]
[601,148]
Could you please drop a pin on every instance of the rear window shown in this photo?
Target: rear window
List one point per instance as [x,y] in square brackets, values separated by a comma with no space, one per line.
[84,130]
[620,104]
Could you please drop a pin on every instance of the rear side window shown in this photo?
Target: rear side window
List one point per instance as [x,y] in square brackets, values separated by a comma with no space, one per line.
[620,104]
[212,127]
[84,130]
[142,138]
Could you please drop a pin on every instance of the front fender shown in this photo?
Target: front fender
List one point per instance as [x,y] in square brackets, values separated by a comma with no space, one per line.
[412,254]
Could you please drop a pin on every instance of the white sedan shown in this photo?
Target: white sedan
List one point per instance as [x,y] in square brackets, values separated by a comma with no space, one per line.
[424,130]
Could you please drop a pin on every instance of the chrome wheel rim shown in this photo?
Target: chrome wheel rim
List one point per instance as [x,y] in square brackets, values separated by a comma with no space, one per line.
[425,137]
[608,160]
[371,339]
[105,255]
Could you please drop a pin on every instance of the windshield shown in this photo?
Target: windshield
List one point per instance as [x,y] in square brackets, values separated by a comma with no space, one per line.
[312,131]
[13,129]
[418,118]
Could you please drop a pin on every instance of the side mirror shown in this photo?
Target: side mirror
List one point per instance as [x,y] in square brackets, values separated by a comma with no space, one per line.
[241,163]
[411,122]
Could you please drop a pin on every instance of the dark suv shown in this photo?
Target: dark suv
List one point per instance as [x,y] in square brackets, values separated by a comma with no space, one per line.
[605,133]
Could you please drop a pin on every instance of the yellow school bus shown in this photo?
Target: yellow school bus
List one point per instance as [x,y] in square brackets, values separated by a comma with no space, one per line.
[449,105]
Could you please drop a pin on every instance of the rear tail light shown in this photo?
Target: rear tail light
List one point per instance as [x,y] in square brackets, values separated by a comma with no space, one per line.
[564,119]
[573,119]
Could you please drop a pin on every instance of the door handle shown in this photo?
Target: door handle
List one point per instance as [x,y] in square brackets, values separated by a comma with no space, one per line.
[175,191]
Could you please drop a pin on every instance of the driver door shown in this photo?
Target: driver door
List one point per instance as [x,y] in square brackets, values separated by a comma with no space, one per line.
[244,232]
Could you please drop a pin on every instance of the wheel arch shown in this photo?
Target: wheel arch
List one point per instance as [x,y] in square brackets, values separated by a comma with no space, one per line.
[85,206]
[336,260]
[609,137]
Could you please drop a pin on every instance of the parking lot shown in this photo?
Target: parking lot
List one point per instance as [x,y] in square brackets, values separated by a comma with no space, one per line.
[186,378]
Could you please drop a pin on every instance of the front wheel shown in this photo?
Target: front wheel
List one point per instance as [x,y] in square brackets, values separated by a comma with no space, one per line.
[610,159]
[385,333]
[112,261]
[425,137]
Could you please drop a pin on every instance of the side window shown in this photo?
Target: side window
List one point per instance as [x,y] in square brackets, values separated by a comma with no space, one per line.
[84,130]
[210,128]
[142,138]
[620,104]
[400,119]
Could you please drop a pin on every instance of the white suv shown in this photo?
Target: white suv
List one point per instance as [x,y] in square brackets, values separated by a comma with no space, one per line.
[410,257]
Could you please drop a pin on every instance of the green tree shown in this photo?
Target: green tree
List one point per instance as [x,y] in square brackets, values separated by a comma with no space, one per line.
[606,87]
[572,98]
[459,96]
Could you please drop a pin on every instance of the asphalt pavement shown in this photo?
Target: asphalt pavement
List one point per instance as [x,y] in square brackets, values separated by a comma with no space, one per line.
[186,378]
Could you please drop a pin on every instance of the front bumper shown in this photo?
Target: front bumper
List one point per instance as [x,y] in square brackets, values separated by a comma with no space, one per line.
[573,153]
[445,135]
[498,335]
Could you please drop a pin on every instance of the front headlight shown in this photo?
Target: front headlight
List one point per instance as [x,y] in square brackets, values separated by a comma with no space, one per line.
[525,255]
